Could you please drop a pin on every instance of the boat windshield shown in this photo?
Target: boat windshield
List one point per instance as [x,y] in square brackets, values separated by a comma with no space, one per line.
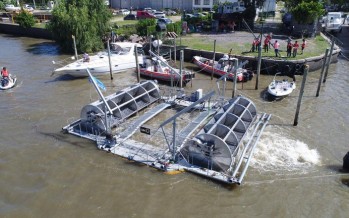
[116,49]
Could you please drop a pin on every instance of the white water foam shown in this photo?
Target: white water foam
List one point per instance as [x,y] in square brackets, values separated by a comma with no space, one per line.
[276,152]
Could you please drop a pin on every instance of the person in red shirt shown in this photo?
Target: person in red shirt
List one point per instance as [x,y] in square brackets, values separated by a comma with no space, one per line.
[303,45]
[266,44]
[295,48]
[4,73]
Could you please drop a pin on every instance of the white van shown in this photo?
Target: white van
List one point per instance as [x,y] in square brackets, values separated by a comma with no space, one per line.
[334,21]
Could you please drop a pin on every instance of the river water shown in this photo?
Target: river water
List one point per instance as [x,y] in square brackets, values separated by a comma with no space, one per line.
[295,172]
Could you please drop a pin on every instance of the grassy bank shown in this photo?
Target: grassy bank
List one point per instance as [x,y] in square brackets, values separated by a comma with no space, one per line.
[242,46]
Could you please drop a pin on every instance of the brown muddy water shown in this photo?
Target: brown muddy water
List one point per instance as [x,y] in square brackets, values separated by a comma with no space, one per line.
[295,171]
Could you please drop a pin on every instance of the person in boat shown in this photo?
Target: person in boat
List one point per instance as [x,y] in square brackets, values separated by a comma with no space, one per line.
[86,57]
[4,73]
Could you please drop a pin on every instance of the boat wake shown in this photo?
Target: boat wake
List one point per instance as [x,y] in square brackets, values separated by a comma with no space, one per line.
[275,152]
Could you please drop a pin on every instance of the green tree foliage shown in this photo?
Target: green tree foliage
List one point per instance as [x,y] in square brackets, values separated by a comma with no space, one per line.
[307,12]
[142,26]
[87,20]
[25,19]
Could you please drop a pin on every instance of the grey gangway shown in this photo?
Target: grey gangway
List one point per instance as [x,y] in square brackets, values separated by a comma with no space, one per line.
[219,146]
[95,119]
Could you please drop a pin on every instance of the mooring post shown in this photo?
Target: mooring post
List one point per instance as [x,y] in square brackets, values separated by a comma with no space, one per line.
[170,55]
[175,51]
[234,88]
[322,73]
[181,66]
[214,58]
[75,50]
[305,73]
[110,67]
[329,59]
[137,65]
[259,60]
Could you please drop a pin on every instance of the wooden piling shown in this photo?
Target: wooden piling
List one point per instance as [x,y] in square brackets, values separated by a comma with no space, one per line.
[75,50]
[110,67]
[214,58]
[181,67]
[295,123]
[329,58]
[322,73]
[137,65]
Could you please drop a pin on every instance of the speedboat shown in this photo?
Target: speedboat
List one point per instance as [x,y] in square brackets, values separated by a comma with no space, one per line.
[279,89]
[223,66]
[159,69]
[121,57]
[8,83]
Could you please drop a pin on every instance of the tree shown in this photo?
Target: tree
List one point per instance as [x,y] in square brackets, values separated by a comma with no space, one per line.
[87,20]
[25,19]
[307,12]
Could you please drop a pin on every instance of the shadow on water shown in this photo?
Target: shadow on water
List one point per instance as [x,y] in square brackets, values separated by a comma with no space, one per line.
[62,137]
[44,48]
[340,169]
[65,77]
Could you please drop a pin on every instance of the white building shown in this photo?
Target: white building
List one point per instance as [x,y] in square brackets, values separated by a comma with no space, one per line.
[188,5]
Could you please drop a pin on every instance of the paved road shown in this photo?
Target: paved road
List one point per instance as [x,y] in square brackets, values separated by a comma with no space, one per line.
[343,37]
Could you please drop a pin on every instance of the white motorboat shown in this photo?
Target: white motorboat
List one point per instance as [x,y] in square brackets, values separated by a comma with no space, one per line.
[278,89]
[8,83]
[121,56]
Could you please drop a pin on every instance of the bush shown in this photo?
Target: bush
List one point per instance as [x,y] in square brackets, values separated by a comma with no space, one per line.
[25,19]
[126,30]
[142,26]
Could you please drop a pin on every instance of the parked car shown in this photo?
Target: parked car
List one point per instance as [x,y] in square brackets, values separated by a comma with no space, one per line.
[170,12]
[144,15]
[124,11]
[165,20]
[28,8]
[11,8]
[159,14]
[188,16]
[199,15]
[130,17]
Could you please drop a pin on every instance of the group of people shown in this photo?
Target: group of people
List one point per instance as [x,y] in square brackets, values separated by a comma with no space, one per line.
[292,48]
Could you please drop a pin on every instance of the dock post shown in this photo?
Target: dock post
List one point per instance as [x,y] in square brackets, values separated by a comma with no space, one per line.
[329,59]
[234,88]
[175,51]
[322,72]
[110,67]
[259,64]
[214,58]
[75,50]
[137,65]
[170,56]
[295,123]
[181,67]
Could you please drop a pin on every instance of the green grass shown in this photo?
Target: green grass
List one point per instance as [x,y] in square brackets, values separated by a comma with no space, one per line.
[314,47]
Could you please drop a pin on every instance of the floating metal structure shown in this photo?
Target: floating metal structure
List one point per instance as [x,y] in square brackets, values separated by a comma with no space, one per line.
[217,141]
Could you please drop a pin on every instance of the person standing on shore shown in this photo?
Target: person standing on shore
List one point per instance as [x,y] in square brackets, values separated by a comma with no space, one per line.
[276,48]
[266,44]
[295,48]
[303,45]
[289,49]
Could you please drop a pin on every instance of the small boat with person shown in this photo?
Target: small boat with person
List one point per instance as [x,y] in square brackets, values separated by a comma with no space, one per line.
[279,89]
[158,68]
[8,81]
[121,57]
[223,66]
